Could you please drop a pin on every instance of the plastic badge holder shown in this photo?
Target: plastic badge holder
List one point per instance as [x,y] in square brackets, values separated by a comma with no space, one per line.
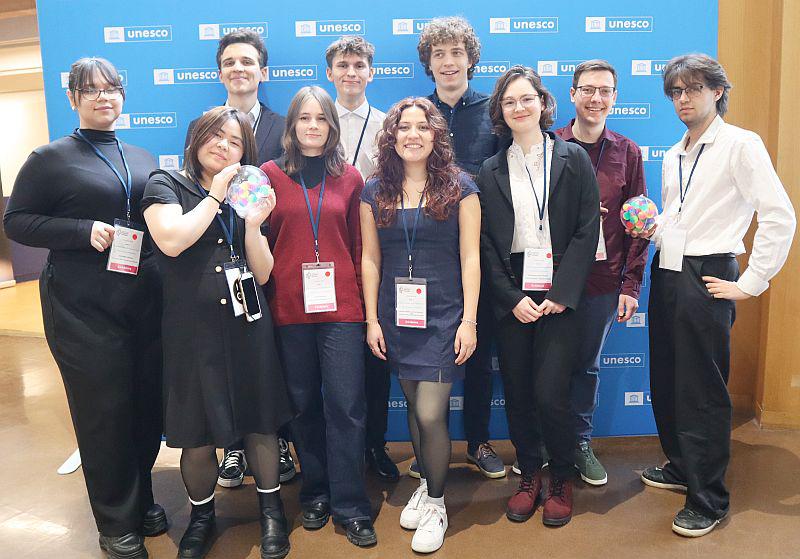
[248,188]
[638,214]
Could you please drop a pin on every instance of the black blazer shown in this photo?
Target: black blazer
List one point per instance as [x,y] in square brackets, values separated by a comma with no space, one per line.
[268,135]
[574,213]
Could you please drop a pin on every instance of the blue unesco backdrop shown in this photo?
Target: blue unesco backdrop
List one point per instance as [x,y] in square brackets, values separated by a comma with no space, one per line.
[166,51]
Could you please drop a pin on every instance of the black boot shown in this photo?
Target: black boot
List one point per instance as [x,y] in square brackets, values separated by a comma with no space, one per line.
[199,534]
[274,528]
[128,546]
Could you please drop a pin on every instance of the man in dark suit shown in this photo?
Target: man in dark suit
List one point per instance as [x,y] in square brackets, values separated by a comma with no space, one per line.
[242,63]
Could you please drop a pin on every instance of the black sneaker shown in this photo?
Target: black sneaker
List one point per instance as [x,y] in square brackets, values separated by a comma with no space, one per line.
[231,470]
[287,468]
[693,524]
[655,476]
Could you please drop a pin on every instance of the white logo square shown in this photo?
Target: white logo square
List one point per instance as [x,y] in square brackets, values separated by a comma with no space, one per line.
[402,27]
[208,31]
[163,76]
[547,67]
[595,24]
[641,67]
[499,25]
[305,28]
[114,34]
[124,121]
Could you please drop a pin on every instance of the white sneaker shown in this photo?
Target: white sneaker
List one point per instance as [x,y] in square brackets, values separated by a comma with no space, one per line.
[430,533]
[412,512]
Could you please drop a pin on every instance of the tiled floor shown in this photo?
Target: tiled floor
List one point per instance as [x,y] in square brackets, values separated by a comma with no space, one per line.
[43,514]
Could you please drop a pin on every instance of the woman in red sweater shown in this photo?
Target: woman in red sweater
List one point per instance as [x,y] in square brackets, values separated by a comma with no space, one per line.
[315,298]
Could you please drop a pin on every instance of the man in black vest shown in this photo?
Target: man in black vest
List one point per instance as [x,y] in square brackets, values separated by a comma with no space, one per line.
[242,63]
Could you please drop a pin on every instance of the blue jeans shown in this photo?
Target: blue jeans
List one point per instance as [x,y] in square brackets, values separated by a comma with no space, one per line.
[595,316]
[324,368]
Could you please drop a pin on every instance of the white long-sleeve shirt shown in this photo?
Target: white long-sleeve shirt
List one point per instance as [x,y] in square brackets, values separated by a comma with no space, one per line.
[734,177]
[352,123]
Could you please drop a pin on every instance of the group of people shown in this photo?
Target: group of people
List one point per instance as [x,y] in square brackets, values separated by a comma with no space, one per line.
[403,243]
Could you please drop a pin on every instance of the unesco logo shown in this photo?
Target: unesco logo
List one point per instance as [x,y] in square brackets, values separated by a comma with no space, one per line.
[213,31]
[311,28]
[123,74]
[397,404]
[622,360]
[523,25]
[170,162]
[138,121]
[393,70]
[491,68]
[607,24]
[178,76]
[654,153]
[638,399]
[137,34]
[456,403]
[557,67]
[638,320]
[409,26]
[498,403]
[292,73]
[630,111]
[648,67]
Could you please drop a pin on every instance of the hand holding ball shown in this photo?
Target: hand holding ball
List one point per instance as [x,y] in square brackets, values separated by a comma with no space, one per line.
[249,187]
[638,214]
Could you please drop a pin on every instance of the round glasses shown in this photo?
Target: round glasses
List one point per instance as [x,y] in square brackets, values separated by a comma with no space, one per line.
[510,104]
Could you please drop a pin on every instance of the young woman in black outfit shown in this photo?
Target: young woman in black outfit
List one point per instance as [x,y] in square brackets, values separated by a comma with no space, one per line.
[103,327]
[222,378]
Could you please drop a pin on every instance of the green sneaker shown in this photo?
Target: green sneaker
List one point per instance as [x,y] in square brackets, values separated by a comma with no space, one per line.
[590,468]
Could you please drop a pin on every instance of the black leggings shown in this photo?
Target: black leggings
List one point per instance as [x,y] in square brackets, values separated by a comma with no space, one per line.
[428,407]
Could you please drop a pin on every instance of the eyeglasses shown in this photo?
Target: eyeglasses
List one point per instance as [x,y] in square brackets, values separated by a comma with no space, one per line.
[588,91]
[92,94]
[692,91]
[510,104]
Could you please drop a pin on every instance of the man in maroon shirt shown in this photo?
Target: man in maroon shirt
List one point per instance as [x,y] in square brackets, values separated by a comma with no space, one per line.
[612,289]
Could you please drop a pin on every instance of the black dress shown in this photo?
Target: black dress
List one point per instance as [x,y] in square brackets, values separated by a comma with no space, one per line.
[222,377]
[423,354]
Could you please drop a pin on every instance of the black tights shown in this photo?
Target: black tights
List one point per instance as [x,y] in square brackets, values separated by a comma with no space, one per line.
[199,465]
[428,408]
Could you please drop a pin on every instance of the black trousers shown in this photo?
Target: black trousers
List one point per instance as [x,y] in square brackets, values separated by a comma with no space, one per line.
[377,383]
[689,364]
[478,378]
[104,330]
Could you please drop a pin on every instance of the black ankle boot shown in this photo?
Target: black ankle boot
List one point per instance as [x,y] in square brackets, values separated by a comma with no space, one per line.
[199,534]
[274,527]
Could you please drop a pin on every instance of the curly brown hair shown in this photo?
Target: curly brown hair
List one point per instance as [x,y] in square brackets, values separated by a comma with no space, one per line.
[446,30]
[442,188]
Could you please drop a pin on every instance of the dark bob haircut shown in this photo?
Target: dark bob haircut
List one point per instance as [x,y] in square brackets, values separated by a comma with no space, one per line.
[207,126]
[496,110]
[83,72]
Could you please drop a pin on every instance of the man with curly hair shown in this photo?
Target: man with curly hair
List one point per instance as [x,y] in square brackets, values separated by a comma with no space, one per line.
[449,49]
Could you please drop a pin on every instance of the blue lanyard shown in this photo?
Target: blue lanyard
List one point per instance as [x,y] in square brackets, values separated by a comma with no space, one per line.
[314,222]
[361,138]
[410,241]
[541,208]
[126,185]
[684,192]
[227,230]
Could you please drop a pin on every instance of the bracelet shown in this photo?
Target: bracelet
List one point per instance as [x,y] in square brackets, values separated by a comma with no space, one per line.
[468,321]
[209,195]
[372,321]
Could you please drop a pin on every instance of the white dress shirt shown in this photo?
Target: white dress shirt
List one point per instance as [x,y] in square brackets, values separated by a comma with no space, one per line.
[526,213]
[352,123]
[254,113]
[734,177]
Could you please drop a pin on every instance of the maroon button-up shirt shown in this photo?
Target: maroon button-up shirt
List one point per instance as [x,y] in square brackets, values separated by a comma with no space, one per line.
[620,174]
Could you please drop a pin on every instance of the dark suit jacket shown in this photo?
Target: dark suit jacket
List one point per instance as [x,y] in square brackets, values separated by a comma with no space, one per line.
[268,135]
[574,214]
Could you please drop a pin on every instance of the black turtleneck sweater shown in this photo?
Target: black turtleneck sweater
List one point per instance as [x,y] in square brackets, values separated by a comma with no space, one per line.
[64,187]
[313,170]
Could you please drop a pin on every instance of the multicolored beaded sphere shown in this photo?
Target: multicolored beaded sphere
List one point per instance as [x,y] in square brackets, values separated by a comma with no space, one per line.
[638,214]
[249,187]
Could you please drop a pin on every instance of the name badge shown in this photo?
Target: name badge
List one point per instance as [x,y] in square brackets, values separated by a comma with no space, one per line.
[319,289]
[233,273]
[126,250]
[673,243]
[601,254]
[537,269]
[411,302]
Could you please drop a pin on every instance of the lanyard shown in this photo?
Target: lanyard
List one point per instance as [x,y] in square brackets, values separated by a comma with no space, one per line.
[685,191]
[541,208]
[410,241]
[599,156]
[125,185]
[361,138]
[227,230]
[314,222]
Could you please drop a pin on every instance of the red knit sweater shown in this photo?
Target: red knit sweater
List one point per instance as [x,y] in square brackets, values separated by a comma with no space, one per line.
[292,242]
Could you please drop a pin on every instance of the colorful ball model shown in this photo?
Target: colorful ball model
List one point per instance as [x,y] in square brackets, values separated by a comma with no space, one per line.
[248,188]
[638,214]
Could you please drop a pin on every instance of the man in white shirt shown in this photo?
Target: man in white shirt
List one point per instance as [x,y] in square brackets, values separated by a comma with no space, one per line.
[713,180]
[350,69]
